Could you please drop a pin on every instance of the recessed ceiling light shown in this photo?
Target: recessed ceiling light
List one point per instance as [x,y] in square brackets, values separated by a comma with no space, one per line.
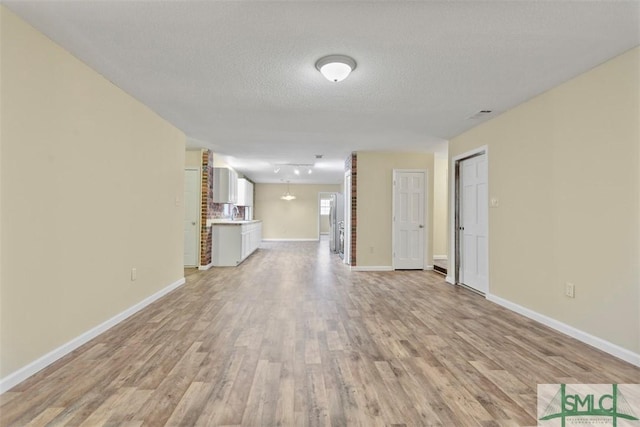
[296,171]
[336,68]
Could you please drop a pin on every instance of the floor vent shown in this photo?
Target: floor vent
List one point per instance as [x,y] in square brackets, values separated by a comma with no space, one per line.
[439,269]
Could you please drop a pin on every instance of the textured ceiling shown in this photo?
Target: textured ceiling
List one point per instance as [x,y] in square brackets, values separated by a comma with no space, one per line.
[239,77]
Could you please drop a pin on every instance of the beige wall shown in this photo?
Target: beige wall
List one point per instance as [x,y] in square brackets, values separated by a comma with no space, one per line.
[440,207]
[89,183]
[565,168]
[296,219]
[193,158]
[375,205]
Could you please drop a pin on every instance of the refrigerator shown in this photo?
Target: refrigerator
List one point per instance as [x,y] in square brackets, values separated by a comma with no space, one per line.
[336,215]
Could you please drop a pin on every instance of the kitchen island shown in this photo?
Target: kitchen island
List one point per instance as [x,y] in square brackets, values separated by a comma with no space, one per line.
[234,241]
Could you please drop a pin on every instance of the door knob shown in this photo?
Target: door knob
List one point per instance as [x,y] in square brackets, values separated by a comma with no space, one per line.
[421,226]
[193,223]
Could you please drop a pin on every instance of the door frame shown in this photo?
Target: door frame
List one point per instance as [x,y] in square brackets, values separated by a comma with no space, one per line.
[198,221]
[426,216]
[453,270]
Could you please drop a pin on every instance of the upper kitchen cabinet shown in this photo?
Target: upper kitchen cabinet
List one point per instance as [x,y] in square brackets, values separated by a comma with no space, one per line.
[225,186]
[245,192]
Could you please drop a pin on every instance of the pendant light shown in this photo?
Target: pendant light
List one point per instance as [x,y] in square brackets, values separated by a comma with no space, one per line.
[288,196]
[336,68]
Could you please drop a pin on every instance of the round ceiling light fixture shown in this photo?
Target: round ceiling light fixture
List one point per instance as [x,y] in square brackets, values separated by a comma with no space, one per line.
[336,68]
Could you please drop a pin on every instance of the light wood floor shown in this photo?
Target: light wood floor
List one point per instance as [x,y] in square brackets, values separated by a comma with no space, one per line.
[292,338]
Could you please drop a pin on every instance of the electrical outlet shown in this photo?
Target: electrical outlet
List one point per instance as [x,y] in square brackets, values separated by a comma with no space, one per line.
[570,290]
[134,274]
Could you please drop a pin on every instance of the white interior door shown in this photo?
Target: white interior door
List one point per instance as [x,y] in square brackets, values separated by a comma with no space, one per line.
[473,223]
[408,220]
[191,216]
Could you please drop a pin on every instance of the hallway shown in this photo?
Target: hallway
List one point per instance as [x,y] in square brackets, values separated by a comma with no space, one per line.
[292,337]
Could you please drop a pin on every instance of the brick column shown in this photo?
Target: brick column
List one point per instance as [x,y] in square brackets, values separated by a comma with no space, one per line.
[351,164]
[206,207]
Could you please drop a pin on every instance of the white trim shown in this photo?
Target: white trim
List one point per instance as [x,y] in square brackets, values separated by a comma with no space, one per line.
[371,268]
[428,268]
[449,279]
[205,267]
[290,240]
[452,213]
[599,343]
[440,257]
[37,365]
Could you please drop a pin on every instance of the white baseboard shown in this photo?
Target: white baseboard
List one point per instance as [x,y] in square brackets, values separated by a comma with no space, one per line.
[450,280]
[381,268]
[205,267]
[25,372]
[440,257]
[599,343]
[371,268]
[289,240]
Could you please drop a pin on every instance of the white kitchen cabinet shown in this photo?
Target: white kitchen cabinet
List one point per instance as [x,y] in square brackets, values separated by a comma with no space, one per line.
[234,241]
[245,192]
[225,186]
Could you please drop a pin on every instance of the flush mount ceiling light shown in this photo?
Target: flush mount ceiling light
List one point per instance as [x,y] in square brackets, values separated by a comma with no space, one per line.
[336,68]
[288,196]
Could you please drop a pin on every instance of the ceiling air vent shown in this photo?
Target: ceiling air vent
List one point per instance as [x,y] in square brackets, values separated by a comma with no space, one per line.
[480,114]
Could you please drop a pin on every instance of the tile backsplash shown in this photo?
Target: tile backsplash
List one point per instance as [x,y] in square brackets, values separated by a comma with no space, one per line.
[223,211]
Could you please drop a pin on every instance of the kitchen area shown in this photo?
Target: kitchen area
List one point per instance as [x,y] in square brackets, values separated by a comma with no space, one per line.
[228,215]
[220,229]
[236,235]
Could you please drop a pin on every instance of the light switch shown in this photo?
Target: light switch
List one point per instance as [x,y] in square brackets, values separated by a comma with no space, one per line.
[494,202]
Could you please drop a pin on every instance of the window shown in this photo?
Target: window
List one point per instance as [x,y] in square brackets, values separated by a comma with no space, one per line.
[325,205]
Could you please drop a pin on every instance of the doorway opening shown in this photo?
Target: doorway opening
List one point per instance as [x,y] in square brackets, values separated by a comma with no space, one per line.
[346,230]
[331,220]
[324,209]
